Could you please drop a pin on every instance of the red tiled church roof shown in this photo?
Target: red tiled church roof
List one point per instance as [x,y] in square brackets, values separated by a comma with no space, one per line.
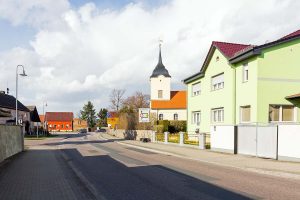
[59,116]
[177,101]
[296,33]
[229,49]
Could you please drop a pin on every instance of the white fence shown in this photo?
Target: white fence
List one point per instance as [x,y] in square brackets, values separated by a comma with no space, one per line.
[222,138]
[289,142]
[269,141]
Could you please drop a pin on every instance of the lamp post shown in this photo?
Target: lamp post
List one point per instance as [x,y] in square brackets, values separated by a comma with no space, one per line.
[22,74]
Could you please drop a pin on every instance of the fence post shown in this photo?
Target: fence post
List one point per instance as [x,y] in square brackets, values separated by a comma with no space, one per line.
[166,137]
[202,140]
[181,136]
[153,139]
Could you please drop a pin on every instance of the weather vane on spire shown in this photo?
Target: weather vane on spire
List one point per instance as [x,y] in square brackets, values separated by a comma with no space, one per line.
[160,41]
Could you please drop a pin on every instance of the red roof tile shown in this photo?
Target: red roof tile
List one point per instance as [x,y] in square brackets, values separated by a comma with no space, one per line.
[59,116]
[177,101]
[296,33]
[230,49]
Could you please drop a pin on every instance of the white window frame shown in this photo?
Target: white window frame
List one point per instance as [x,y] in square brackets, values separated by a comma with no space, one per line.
[245,72]
[175,114]
[162,95]
[196,117]
[162,118]
[197,92]
[280,113]
[218,85]
[219,112]
[241,114]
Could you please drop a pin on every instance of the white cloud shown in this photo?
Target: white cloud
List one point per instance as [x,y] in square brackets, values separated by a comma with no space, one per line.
[80,55]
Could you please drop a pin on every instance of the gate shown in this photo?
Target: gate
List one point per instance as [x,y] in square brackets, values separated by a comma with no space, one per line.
[258,140]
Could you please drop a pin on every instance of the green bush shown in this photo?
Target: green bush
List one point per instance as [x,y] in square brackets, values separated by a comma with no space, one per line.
[165,124]
[159,128]
[177,126]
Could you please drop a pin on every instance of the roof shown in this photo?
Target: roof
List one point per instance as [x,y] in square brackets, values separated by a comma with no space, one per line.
[160,69]
[258,49]
[59,116]
[34,116]
[230,49]
[177,101]
[42,117]
[294,96]
[8,101]
[226,48]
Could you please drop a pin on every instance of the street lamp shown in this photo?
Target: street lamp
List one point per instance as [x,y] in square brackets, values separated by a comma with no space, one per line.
[44,105]
[22,74]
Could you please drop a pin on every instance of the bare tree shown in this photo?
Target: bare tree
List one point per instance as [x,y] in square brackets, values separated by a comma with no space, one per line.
[133,103]
[116,99]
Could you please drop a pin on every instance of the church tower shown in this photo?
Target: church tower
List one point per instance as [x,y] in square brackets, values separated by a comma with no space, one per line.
[160,81]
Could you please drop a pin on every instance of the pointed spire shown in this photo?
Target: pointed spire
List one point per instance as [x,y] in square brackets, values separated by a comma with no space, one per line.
[160,69]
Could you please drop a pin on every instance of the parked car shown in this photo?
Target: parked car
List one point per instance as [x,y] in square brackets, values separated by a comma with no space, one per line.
[83,130]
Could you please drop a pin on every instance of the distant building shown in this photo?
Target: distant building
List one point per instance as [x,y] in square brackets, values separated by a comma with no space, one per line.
[35,121]
[166,104]
[59,121]
[79,124]
[8,111]
[112,119]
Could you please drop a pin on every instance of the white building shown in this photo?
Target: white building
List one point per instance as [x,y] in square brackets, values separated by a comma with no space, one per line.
[166,104]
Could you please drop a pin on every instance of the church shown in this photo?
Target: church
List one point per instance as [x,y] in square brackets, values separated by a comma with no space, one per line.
[166,104]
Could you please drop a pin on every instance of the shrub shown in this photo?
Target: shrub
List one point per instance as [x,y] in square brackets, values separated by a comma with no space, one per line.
[159,128]
[177,126]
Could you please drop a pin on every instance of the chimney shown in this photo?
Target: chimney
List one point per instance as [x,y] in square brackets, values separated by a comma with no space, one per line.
[7,91]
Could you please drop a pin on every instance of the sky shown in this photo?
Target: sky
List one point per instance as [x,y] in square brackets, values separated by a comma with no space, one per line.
[76,51]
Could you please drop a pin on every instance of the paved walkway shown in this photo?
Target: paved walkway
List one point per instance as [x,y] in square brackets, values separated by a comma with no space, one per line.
[40,173]
[260,165]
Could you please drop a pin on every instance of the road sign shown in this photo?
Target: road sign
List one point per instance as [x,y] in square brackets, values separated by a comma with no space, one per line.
[144,114]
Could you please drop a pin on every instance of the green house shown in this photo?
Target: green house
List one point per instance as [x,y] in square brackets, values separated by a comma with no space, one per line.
[246,84]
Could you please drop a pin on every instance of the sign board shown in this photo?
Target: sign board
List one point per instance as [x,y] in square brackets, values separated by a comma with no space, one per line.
[144,114]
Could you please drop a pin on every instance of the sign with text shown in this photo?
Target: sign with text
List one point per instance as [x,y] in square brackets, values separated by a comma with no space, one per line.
[144,114]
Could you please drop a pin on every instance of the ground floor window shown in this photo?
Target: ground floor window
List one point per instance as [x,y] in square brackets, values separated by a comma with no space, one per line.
[217,114]
[160,117]
[62,126]
[175,116]
[245,115]
[196,117]
[282,113]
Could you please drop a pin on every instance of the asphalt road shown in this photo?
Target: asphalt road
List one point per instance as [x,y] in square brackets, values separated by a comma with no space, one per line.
[114,171]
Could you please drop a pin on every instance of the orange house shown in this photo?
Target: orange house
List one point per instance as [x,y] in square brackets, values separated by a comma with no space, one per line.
[59,121]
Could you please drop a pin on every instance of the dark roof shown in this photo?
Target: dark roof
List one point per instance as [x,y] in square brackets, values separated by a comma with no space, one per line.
[160,69]
[59,116]
[226,48]
[34,116]
[240,56]
[8,101]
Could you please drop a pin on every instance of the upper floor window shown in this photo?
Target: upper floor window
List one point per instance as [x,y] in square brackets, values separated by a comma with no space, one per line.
[217,115]
[245,115]
[245,72]
[160,94]
[282,113]
[160,117]
[196,117]
[175,116]
[217,82]
[196,89]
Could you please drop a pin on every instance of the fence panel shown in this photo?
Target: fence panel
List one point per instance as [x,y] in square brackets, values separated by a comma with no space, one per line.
[267,141]
[222,138]
[288,142]
[247,140]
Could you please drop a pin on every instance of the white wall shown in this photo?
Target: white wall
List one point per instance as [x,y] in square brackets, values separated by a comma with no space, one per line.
[160,83]
[169,113]
[222,138]
[289,142]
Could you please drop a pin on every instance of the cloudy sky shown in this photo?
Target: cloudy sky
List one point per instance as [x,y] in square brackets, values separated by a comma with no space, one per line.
[76,50]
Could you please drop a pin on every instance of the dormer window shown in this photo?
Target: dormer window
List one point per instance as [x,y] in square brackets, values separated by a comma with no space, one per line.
[217,58]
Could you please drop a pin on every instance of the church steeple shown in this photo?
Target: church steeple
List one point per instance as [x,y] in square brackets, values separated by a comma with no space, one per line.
[160,69]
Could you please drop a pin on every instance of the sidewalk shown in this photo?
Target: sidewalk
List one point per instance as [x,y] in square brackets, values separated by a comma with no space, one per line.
[260,165]
[40,173]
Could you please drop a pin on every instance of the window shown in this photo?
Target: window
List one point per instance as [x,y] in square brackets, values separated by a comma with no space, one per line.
[245,72]
[245,114]
[160,94]
[160,117]
[196,117]
[217,82]
[217,115]
[175,116]
[196,89]
[281,113]
[62,126]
